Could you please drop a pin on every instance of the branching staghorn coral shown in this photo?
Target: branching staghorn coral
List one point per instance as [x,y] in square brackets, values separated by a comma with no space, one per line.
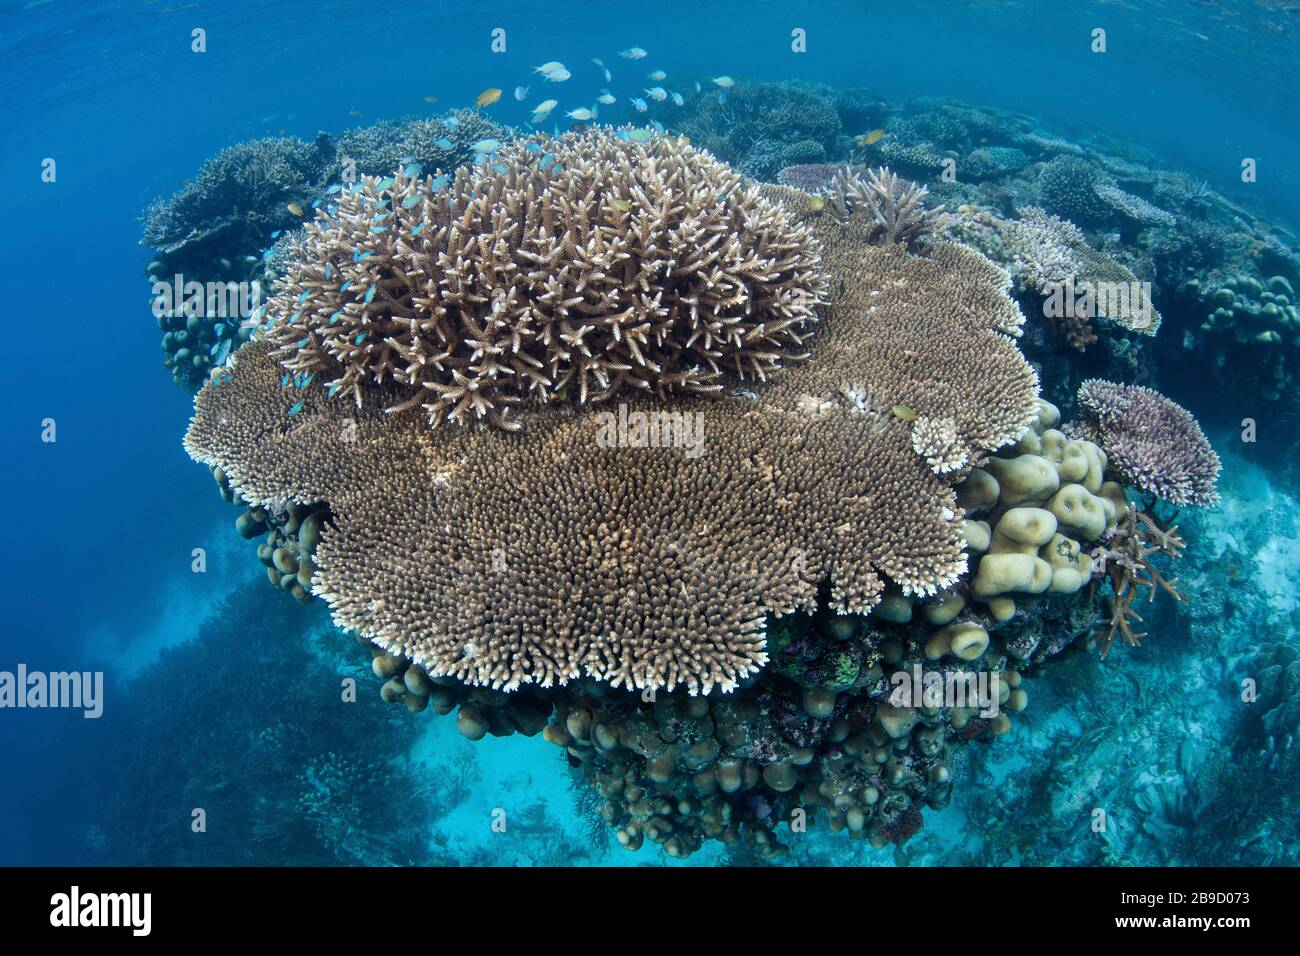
[581,266]
[1152,443]
[1124,558]
[892,208]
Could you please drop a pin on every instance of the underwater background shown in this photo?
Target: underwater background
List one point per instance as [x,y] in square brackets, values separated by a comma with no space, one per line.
[213,680]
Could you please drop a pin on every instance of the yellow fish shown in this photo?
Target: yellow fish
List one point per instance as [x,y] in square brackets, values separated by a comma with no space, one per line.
[431,99]
[488,96]
[816,203]
[904,413]
[622,205]
[875,136]
[294,208]
[354,112]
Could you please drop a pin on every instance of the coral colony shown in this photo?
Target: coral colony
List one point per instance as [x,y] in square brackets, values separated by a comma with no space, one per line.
[715,460]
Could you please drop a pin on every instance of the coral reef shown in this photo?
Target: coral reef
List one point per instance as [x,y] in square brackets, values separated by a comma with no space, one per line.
[1067,186]
[762,127]
[811,178]
[553,557]
[268,791]
[438,142]
[1254,328]
[712,642]
[241,217]
[238,197]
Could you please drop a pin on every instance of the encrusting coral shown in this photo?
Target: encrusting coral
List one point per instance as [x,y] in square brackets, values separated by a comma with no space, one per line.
[594,266]
[1154,444]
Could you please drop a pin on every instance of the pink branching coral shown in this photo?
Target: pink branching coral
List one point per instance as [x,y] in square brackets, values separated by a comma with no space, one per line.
[1152,443]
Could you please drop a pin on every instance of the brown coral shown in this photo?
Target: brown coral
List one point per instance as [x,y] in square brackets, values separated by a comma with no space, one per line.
[585,266]
[1125,558]
[539,556]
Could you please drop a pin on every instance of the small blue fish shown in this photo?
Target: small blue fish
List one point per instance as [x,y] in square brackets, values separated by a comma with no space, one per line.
[364,256]
[501,168]
[534,147]
[334,389]
[335,317]
[333,189]
[276,234]
[452,122]
[407,159]
[303,344]
[284,382]
[296,409]
[545,164]
[384,183]
[315,204]
[440,182]
[486,146]
[413,170]
[378,229]
[370,295]
[411,201]
[294,317]
[304,296]
[417,230]
[359,339]
[345,286]
[444,143]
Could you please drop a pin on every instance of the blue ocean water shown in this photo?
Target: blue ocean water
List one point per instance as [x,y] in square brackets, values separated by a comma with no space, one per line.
[102,522]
